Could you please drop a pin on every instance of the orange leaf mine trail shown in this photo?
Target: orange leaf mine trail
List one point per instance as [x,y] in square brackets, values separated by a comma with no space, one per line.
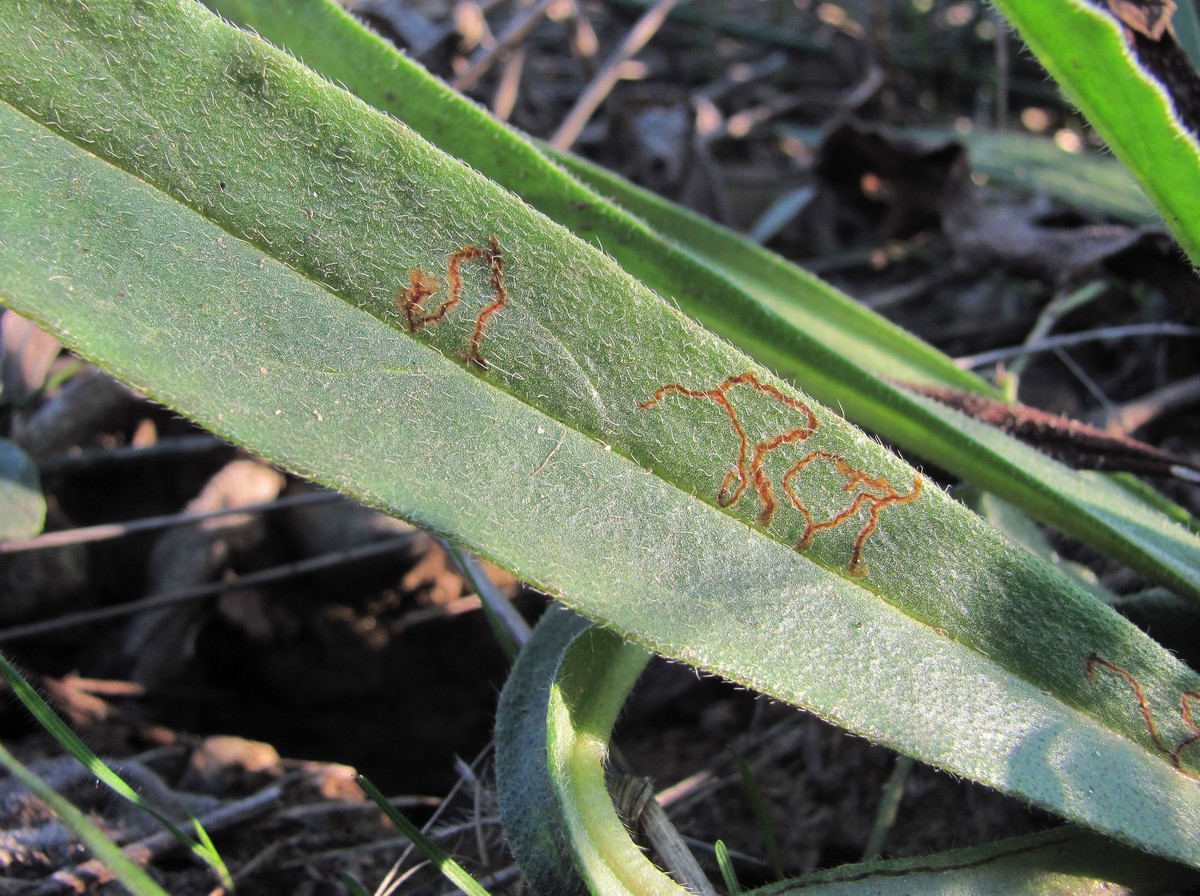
[421,287]
[869,493]
[1186,700]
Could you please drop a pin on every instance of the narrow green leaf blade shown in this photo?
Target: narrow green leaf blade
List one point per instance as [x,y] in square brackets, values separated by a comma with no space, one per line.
[1051,863]
[530,806]
[1084,49]
[1087,180]
[451,870]
[202,848]
[101,846]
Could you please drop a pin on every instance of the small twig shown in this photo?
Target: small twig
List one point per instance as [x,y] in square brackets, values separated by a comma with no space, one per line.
[516,32]
[260,859]
[634,799]
[1093,387]
[1065,340]
[105,531]
[186,595]
[441,834]
[700,784]
[743,858]
[911,289]
[226,816]
[505,98]
[1133,415]
[68,462]
[311,812]
[606,78]
[103,687]
[686,787]
[582,39]
[1057,308]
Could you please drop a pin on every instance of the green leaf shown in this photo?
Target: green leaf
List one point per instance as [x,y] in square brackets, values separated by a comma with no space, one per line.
[1099,510]
[22,504]
[728,874]
[800,327]
[531,803]
[553,727]
[1084,49]
[224,229]
[1085,180]
[1062,860]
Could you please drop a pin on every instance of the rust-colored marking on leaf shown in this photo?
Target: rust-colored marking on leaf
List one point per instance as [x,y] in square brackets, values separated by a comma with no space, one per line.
[422,286]
[876,494]
[749,466]
[1186,699]
[741,473]
[496,279]
[762,485]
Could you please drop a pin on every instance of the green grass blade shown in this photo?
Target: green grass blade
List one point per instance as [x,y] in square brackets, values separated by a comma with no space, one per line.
[1085,180]
[127,872]
[355,888]
[228,232]
[728,873]
[758,808]
[450,869]
[202,848]
[1086,52]
[785,318]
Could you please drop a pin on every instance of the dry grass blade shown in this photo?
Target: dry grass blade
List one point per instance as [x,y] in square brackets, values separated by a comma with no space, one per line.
[514,34]
[103,532]
[1076,444]
[275,574]
[606,78]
